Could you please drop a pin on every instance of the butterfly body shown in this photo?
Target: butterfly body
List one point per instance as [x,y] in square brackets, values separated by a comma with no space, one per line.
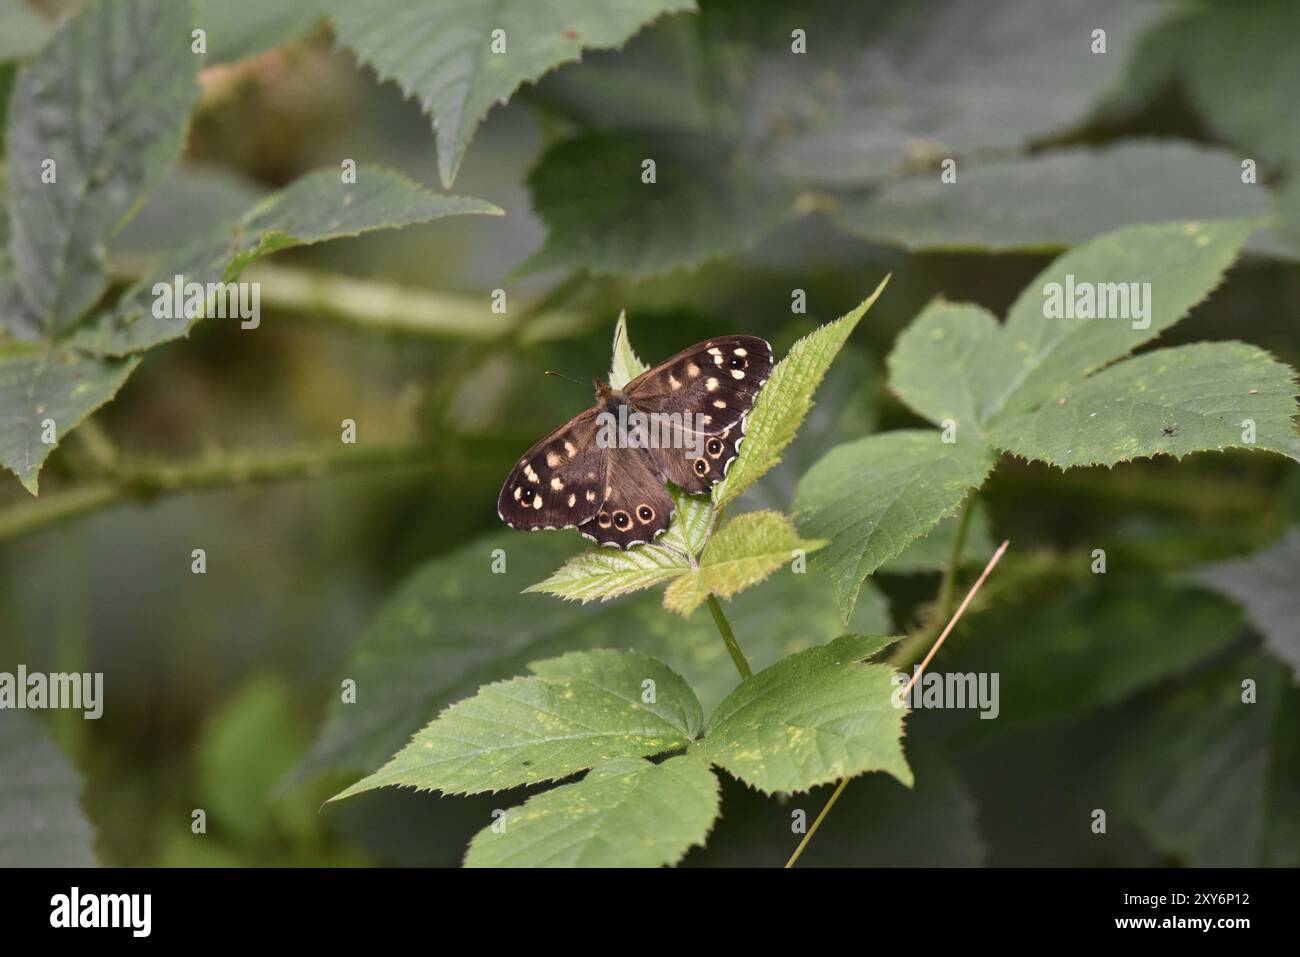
[609,481]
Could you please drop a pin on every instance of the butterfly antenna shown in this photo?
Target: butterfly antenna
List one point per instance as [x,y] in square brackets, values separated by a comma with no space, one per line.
[561,375]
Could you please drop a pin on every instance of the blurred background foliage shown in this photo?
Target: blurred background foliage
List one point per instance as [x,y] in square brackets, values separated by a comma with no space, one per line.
[815,173]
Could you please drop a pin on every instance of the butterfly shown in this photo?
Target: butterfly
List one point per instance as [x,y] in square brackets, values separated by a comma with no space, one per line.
[615,493]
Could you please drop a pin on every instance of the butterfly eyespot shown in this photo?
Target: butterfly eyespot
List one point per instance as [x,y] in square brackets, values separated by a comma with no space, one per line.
[701,467]
[622,520]
[645,513]
[736,363]
[715,447]
[603,520]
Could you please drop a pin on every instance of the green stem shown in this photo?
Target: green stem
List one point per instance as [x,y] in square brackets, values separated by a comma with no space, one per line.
[728,637]
[835,796]
[913,646]
[142,481]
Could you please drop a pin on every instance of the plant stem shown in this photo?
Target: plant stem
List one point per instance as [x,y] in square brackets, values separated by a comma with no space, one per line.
[728,638]
[142,481]
[911,647]
[952,623]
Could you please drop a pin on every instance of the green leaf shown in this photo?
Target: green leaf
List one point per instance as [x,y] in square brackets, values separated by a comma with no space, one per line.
[605,573]
[785,400]
[1210,778]
[314,208]
[1055,199]
[624,813]
[451,627]
[1064,648]
[939,364]
[708,199]
[23,31]
[46,394]
[933,552]
[107,101]
[440,51]
[812,718]
[41,821]
[1267,587]
[875,496]
[893,84]
[238,29]
[693,518]
[1183,262]
[626,366]
[1174,401]
[579,710]
[743,553]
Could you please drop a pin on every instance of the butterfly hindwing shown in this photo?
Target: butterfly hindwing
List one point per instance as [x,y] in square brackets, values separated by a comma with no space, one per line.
[560,482]
[697,473]
[636,508]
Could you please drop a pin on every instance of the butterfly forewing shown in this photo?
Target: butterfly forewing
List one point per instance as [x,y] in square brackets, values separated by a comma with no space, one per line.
[714,384]
[560,482]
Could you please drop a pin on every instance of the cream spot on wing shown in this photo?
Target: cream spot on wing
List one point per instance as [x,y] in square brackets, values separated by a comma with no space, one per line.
[711,384]
[573,499]
[518,491]
[591,496]
[552,459]
[717,360]
[737,373]
[569,450]
[719,404]
[537,502]
[608,489]
[591,476]
[692,370]
[673,383]
[715,352]
[532,476]
[740,352]
[706,419]
[556,484]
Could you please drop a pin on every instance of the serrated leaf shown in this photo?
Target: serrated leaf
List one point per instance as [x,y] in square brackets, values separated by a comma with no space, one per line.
[600,574]
[626,366]
[708,199]
[1173,401]
[743,553]
[815,717]
[1172,774]
[873,497]
[452,626]
[624,813]
[1267,587]
[693,518]
[440,51]
[933,552]
[314,208]
[908,81]
[47,394]
[1183,262]
[238,29]
[1054,199]
[107,100]
[785,400]
[41,821]
[577,711]
[939,366]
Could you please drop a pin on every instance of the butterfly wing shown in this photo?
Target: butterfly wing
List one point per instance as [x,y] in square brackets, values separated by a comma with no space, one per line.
[715,384]
[560,482]
[636,507]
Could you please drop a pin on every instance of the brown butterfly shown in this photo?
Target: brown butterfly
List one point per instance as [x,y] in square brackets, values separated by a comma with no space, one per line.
[615,492]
